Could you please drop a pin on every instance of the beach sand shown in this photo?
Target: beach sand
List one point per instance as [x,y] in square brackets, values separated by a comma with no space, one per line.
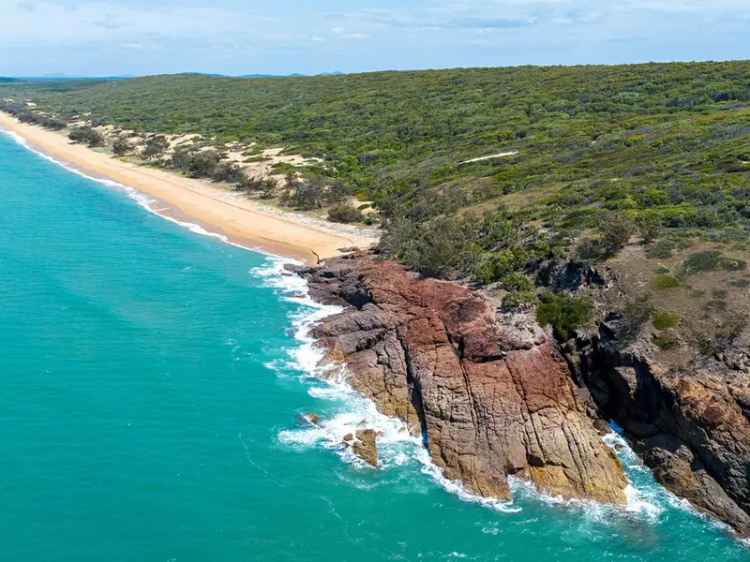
[216,209]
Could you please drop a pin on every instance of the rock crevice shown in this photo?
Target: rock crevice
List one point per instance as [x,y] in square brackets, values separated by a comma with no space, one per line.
[689,426]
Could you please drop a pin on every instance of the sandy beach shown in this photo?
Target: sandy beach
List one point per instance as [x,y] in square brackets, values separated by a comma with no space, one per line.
[216,209]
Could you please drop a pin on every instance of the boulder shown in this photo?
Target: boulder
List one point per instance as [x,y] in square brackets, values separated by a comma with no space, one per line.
[309,419]
[365,446]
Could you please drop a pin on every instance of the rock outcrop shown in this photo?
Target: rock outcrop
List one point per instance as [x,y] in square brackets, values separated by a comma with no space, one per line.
[309,419]
[491,397]
[691,426]
[364,445]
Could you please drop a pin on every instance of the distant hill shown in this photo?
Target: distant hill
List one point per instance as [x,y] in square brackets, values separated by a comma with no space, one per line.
[6,80]
[293,75]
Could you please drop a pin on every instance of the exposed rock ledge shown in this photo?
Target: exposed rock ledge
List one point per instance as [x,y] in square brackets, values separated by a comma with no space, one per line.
[491,397]
[692,426]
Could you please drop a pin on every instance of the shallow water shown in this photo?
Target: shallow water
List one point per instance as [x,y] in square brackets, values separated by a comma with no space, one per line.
[150,380]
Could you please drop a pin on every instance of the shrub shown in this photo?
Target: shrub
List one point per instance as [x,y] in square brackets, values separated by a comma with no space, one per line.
[520,291]
[702,261]
[155,146]
[25,116]
[228,173]
[517,300]
[731,328]
[666,282]
[517,282]
[497,265]
[86,135]
[120,147]
[181,159]
[51,123]
[303,194]
[441,247]
[616,230]
[589,250]
[711,260]
[662,249]
[724,336]
[265,188]
[665,341]
[614,233]
[649,227]
[719,293]
[564,313]
[203,164]
[731,264]
[344,213]
[664,320]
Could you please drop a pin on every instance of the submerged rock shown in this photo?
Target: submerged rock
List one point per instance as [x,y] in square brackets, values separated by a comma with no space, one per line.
[490,397]
[309,419]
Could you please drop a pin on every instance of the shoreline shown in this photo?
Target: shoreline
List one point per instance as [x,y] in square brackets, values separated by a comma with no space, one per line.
[217,210]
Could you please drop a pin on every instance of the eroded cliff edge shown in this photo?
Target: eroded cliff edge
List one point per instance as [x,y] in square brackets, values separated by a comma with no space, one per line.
[690,424]
[491,397]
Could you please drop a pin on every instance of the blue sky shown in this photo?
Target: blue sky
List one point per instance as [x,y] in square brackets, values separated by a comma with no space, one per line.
[108,37]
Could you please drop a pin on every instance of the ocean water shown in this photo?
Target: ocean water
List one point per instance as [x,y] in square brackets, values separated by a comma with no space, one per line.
[150,383]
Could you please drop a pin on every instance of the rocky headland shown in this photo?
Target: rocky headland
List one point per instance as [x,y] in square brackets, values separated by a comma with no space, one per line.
[493,395]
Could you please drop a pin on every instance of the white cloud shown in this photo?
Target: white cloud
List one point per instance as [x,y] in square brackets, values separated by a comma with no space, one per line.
[117,21]
[52,22]
[97,35]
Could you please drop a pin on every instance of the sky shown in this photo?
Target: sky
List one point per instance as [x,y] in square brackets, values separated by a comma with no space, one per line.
[138,37]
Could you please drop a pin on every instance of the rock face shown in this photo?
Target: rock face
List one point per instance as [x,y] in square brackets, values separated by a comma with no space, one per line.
[692,427]
[490,397]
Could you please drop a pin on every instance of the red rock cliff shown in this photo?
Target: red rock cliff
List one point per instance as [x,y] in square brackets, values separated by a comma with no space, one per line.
[491,399]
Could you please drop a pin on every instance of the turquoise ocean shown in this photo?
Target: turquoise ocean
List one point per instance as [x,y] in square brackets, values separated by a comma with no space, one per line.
[151,377]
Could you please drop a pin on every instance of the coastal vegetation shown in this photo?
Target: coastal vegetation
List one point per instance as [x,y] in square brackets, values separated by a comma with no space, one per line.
[475,174]
[86,135]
